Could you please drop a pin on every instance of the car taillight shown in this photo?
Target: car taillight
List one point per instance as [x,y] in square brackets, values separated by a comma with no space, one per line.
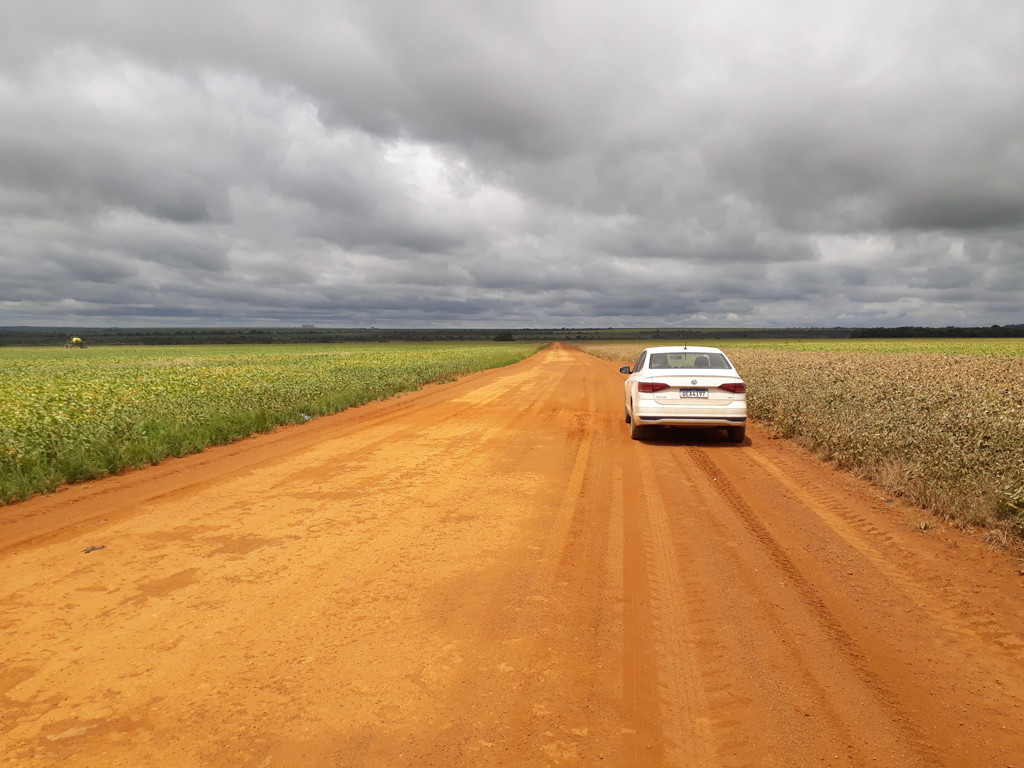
[736,387]
[651,386]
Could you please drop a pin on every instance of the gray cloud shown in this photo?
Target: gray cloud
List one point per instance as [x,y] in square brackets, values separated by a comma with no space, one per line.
[446,163]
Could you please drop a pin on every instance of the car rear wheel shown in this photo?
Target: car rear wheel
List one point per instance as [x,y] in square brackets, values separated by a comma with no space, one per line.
[629,418]
[636,432]
[736,434]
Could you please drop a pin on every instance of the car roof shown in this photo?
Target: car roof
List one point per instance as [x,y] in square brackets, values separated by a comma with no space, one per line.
[682,349]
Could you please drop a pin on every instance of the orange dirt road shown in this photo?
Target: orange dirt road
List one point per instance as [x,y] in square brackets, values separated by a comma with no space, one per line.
[491,573]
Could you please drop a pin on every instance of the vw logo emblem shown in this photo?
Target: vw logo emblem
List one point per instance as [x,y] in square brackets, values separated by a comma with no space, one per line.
[693,381]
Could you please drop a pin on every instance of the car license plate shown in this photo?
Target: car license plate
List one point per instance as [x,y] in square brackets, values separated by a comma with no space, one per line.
[693,393]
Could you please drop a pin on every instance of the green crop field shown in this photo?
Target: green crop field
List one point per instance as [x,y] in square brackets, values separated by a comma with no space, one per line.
[940,422]
[74,414]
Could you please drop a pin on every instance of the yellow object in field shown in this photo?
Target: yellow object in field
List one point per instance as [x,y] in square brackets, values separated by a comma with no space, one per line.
[76,340]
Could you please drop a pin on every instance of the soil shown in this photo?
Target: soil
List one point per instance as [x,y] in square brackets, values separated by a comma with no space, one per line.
[491,573]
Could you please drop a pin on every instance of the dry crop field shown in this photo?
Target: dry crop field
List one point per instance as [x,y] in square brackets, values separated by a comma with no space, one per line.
[68,415]
[940,422]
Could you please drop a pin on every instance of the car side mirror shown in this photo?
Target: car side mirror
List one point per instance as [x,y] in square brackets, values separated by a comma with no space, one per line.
[625,369]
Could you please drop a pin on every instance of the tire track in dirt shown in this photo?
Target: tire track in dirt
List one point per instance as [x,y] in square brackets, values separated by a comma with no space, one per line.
[887,613]
[845,647]
[753,719]
[885,554]
[685,737]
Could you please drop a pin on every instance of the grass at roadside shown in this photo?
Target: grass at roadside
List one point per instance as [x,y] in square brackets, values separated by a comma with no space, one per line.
[71,415]
[943,429]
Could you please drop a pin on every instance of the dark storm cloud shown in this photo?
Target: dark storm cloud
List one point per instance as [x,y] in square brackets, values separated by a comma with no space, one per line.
[508,164]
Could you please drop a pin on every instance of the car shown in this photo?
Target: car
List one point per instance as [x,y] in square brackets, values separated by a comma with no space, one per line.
[685,387]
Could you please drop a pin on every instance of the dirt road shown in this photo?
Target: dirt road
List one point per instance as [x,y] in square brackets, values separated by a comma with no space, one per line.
[490,573]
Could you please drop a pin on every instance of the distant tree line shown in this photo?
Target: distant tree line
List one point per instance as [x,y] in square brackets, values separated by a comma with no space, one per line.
[43,337]
[919,332]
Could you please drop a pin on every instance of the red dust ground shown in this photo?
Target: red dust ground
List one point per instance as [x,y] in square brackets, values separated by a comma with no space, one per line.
[491,573]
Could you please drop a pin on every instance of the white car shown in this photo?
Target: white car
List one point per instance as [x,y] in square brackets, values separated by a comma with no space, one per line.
[685,387]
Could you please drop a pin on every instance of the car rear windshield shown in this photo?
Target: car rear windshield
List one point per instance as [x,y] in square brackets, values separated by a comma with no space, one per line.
[670,360]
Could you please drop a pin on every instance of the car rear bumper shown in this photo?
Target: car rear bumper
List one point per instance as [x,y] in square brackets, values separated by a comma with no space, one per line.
[692,421]
[734,415]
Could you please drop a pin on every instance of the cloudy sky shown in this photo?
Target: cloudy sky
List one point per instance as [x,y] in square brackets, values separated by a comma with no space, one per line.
[487,163]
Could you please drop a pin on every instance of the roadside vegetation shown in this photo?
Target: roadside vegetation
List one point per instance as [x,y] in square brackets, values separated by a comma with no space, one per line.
[939,422]
[68,415]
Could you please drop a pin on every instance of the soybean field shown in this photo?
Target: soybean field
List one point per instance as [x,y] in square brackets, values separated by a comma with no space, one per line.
[73,414]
